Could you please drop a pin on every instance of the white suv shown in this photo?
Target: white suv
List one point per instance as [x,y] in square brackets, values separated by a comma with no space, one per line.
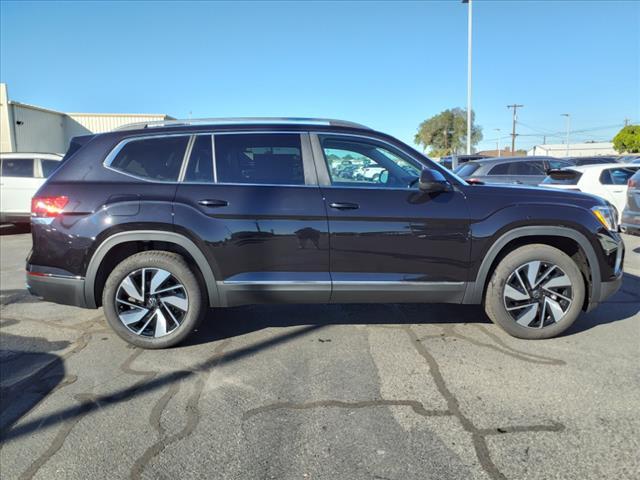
[21,174]
[608,181]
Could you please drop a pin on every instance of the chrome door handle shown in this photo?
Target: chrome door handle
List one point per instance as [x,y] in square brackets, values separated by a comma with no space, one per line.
[344,205]
[213,203]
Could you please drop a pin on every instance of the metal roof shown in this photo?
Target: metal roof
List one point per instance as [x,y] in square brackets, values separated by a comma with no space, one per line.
[242,121]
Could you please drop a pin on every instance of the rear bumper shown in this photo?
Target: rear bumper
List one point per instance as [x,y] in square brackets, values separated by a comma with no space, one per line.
[57,288]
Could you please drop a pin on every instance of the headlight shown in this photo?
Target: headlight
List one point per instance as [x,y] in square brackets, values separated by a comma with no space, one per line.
[606,216]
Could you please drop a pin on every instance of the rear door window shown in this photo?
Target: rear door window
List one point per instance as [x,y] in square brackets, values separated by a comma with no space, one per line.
[156,159]
[261,158]
[519,168]
[17,167]
[616,176]
[200,168]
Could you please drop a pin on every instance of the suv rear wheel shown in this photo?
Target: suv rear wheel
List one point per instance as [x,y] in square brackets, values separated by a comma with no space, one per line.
[153,299]
[536,292]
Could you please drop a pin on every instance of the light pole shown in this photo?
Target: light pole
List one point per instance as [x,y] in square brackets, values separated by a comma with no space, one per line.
[568,130]
[469,23]
[499,140]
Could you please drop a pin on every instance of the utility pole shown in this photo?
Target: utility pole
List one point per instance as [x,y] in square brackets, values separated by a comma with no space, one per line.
[626,122]
[515,107]
[469,23]
[568,129]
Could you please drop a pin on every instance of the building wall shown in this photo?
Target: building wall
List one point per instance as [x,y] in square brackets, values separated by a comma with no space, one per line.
[85,123]
[575,149]
[38,130]
[7,140]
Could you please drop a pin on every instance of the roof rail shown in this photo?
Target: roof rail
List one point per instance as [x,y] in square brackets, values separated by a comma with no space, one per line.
[240,120]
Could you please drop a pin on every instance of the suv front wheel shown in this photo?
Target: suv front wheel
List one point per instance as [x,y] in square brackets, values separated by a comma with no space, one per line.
[153,299]
[536,292]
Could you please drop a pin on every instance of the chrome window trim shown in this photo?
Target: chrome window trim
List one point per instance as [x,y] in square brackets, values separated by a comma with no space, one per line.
[114,153]
[213,159]
[185,158]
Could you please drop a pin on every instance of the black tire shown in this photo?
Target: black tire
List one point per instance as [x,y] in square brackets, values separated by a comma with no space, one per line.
[495,302]
[180,270]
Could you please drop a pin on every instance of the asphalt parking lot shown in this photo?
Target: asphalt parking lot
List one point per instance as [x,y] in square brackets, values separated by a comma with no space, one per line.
[318,392]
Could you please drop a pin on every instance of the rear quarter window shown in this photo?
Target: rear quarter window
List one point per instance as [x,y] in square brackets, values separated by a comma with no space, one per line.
[156,159]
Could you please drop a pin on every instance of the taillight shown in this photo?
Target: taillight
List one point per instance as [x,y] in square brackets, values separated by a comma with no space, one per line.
[48,206]
[632,183]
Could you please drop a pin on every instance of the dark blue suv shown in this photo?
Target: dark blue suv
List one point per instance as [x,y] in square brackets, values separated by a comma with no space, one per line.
[158,222]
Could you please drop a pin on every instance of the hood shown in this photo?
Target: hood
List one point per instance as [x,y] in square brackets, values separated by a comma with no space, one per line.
[531,194]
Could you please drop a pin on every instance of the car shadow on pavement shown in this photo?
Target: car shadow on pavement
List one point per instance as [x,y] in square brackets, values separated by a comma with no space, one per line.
[621,306]
[222,323]
[27,377]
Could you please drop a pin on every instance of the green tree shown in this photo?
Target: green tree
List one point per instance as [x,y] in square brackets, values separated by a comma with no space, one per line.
[627,140]
[446,133]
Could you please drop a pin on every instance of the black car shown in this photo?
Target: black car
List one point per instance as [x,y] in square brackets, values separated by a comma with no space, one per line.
[514,170]
[596,160]
[158,222]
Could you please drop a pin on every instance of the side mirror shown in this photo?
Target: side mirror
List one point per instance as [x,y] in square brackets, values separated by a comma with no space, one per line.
[432,181]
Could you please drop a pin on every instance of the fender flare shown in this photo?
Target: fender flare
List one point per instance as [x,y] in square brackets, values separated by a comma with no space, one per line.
[475,290]
[149,235]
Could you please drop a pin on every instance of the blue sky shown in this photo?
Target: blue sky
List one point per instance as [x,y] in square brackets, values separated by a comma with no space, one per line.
[389,65]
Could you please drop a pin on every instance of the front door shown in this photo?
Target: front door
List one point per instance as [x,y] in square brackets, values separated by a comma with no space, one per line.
[254,200]
[389,241]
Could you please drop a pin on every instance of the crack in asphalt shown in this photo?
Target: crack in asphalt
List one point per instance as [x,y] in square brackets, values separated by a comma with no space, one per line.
[478,436]
[192,412]
[501,347]
[87,403]
[416,406]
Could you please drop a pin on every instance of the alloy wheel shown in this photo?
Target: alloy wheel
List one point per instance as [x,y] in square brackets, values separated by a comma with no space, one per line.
[538,294]
[151,302]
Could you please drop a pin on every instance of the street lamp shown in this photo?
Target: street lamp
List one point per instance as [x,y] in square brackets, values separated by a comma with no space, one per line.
[568,129]
[499,140]
[469,22]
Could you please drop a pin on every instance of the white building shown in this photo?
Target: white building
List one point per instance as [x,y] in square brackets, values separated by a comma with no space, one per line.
[28,128]
[575,149]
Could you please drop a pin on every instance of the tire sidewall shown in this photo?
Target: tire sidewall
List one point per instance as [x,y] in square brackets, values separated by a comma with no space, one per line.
[494,301]
[172,263]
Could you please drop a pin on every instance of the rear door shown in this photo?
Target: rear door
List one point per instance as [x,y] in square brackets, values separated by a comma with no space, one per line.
[389,241]
[252,201]
[518,172]
[17,185]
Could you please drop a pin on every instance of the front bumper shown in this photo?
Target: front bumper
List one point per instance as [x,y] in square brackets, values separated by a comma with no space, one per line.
[57,288]
[609,288]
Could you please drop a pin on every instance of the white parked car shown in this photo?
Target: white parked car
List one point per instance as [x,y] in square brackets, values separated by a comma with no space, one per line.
[21,175]
[608,181]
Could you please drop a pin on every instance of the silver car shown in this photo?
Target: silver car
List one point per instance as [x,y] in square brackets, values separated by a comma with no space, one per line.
[630,220]
[516,170]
